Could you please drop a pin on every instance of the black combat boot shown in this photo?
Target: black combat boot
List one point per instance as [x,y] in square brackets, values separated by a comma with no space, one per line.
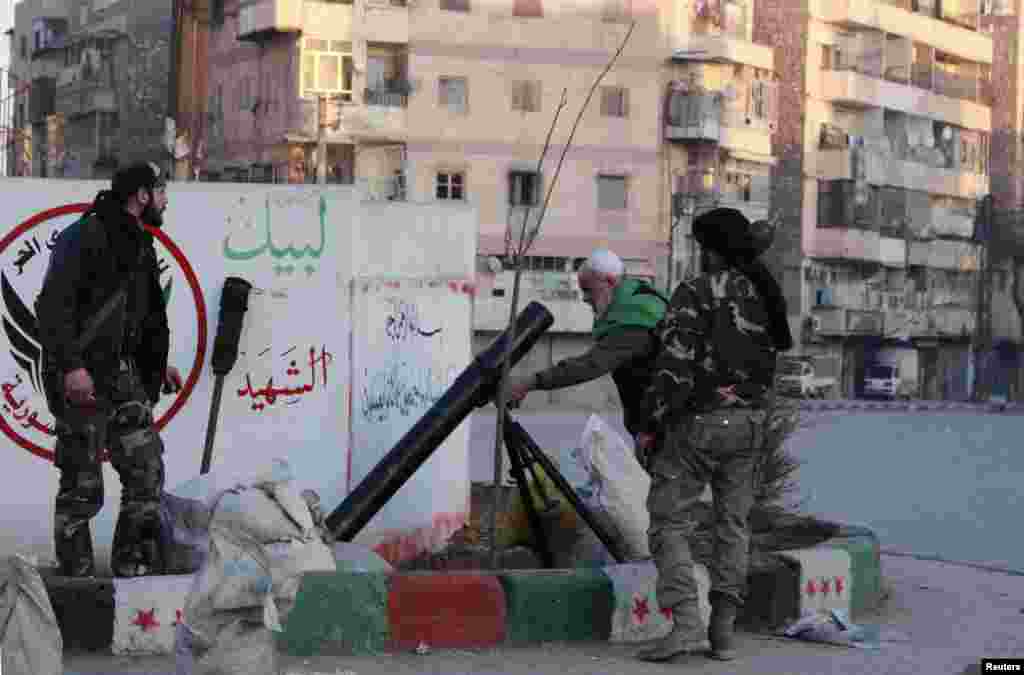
[721,627]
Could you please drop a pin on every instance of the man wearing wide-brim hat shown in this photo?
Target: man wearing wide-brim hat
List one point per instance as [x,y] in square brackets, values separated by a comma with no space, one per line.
[705,418]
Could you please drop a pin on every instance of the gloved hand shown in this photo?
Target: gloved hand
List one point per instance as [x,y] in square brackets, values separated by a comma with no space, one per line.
[645,442]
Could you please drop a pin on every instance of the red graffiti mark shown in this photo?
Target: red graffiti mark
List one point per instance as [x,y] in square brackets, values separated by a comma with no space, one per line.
[392,284]
[811,587]
[666,612]
[408,545]
[201,332]
[453,286]
[825,585]
[839,585]
[640,609]
[146,620]
[469,289]
[179,618]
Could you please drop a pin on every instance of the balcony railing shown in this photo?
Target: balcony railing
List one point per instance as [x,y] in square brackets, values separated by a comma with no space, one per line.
[386,97]
[923,76]
[965,15]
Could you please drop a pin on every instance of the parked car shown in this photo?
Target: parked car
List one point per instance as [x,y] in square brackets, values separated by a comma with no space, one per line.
[796,378]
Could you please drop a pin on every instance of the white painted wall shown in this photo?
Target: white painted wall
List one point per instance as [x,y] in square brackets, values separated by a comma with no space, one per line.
[381,259]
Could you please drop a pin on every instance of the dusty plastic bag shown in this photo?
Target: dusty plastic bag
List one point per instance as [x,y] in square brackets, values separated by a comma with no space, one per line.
[185,533]
[833,627]
[31,639]
[618,486]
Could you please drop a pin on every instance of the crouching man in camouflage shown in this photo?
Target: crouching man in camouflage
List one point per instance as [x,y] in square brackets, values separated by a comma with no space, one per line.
[706,410]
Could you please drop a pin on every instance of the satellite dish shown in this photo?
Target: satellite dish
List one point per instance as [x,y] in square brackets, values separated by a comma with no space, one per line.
[494,265]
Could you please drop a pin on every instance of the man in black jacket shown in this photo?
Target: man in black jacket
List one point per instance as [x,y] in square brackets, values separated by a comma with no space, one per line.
[102,383]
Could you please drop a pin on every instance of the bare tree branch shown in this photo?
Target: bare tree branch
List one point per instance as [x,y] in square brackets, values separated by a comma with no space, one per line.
[525,242]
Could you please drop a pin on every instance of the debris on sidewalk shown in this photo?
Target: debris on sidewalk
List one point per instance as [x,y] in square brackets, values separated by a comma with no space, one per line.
[834,627]
[30,639]
[264,534]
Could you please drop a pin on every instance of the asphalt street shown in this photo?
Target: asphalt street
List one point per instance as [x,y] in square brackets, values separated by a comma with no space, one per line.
[942,484]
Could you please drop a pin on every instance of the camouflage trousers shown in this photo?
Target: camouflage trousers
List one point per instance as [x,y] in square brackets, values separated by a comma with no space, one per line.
[722,448]
[123,424]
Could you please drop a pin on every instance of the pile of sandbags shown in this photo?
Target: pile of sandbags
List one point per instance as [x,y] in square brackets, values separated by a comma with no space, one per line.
[29,634]
[263,536]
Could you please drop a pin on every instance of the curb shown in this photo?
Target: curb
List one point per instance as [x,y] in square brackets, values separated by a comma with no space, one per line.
[350,612]
[916,406]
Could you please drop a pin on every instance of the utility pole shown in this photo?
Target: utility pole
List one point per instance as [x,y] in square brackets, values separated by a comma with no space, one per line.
[321,141]
[983,323]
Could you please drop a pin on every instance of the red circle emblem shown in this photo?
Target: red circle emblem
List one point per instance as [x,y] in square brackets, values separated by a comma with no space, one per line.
[197,297]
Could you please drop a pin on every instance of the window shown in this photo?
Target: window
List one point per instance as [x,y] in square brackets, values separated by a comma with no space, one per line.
[614,102]
[523,188]
[452,93]
[455,5]
[616,11]
[739,185]
[327,68]
[611,193]
[526,96]
[527,8]
[451,185]
[24,47]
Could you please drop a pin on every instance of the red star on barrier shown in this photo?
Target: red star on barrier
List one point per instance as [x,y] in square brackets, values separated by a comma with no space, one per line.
[811,587]
[666,612]
[640,609]
[146,620]
[839,585]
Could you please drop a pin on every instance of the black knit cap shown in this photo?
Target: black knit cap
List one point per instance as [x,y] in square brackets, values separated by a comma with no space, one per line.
[728,233]
[129,180]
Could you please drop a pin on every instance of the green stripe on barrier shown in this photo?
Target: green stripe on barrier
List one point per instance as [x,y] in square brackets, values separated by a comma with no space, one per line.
[558,605]
[866,570]
[339,613]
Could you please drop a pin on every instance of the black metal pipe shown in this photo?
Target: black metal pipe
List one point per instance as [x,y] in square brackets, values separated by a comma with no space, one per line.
[475,387]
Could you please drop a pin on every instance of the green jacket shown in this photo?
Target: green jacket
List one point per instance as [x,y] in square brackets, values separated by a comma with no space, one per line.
[624,345]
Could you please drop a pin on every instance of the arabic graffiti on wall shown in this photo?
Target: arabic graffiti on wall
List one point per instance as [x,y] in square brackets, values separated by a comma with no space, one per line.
[402,389]
[24,415]
[285,257]
[403,322]
[315,366]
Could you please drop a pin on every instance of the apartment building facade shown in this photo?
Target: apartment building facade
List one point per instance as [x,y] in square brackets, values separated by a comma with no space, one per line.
[92,79]
[454,100]
[883,149]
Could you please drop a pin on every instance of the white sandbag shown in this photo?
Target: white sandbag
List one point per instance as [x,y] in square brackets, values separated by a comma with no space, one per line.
[296,507]
[208,488]
[621,485]
[239,648]
[256,513]
[184,532]
[30,637]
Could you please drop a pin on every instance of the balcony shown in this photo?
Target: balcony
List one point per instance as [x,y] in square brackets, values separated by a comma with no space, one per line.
[848,243]
[882,168]
[260,19]
[724,48]
[384,21]
[859,90]
[895,17]
[943,254]
[84,98]
[832,321]
[354,122]
[388,94]
[703,117]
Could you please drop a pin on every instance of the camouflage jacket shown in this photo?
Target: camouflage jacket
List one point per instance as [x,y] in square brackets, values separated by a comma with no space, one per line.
[715,350]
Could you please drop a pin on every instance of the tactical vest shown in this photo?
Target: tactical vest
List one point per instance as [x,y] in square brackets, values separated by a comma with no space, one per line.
[635,304]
